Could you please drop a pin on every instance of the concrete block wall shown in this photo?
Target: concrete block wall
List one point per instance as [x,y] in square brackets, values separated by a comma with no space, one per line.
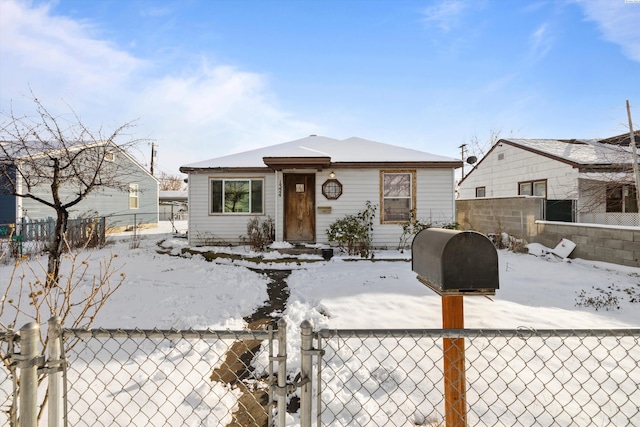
[514,215]
[521,217]
[615,244]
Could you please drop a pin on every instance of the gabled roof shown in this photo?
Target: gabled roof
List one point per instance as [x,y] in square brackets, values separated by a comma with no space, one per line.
[612,153]
[321,151]
[577,152]
[15,152]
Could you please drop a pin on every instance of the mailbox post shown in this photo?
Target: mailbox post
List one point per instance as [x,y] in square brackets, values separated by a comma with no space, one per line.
[453,264]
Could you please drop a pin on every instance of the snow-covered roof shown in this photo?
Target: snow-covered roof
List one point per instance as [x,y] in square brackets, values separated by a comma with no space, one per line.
[350,150]
[581,152]
[173,194]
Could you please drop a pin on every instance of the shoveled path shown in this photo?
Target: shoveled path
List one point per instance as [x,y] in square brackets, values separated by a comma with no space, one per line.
[253,403]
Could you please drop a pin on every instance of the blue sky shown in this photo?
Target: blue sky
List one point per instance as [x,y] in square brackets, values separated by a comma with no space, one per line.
[209,78]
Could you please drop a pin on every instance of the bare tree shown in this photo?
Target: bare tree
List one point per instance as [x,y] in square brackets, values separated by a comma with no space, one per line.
[170,182]
[609,185]
[76,300]
[57,161]
[479,147]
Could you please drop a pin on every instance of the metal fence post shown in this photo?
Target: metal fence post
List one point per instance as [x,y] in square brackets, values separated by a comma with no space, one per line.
[28,409]
[54,349]
[306,335]
[282,372]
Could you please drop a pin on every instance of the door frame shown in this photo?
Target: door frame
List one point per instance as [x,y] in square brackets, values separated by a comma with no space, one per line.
[312,194]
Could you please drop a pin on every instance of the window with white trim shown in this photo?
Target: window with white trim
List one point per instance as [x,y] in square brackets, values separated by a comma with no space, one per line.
[533,188]
[237,196]
[134,196]
[397,198]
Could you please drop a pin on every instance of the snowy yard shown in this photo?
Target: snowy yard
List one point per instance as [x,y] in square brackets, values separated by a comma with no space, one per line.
[175,292]
[163,291]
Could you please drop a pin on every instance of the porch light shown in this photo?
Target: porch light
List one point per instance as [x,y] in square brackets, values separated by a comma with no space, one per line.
[332,175]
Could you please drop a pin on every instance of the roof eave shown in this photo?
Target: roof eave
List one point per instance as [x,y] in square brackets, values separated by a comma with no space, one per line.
[407,164]
[222,169]
[280,163]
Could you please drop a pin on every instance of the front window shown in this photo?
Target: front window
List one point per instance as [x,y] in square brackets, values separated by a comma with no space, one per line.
[231,196]
[398,195]
[533,188]
[134,196]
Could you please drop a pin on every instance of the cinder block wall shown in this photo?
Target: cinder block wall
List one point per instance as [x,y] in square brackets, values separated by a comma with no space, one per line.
[522,217]
[619,245]
[514,215]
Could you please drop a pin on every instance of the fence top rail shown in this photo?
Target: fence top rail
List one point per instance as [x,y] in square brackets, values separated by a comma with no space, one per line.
[475,333]
[169,333]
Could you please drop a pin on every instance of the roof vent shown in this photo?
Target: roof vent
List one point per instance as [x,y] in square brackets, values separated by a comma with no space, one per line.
[313,135]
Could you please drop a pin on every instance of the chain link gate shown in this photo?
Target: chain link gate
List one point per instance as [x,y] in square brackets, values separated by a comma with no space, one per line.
[144,377]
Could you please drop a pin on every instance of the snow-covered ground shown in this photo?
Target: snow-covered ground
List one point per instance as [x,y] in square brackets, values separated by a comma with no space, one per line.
[163,291]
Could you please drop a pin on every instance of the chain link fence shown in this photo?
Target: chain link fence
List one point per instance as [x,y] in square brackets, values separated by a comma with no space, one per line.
[513,378]
[357,377]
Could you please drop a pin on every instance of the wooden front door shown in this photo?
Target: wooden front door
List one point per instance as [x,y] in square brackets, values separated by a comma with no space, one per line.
[300,208]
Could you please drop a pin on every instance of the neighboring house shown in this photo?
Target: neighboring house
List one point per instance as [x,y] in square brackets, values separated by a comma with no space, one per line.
[174,205]
[307,184]
[582,180]
[138,205]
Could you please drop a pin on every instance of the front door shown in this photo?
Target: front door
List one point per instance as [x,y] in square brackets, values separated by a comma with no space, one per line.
[300,208]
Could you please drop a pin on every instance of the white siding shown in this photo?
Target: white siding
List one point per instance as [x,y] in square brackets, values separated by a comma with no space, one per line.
[206,228]
[501,177]
[434,193]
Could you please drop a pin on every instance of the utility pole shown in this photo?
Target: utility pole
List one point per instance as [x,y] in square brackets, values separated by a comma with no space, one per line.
[632,142]
[153,155]
[462,150]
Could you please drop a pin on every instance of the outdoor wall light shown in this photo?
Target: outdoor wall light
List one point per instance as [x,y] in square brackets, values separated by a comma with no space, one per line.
[332,174]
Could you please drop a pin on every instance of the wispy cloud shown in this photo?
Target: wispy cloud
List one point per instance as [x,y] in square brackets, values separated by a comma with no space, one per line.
[618,21]
[445,14]
[194,112]
[540,42]
[156,11]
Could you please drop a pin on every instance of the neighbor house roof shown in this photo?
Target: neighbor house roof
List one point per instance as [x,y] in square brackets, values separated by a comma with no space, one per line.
[321,151]
[173,195]
[14,152]
[577,152]
[587,155]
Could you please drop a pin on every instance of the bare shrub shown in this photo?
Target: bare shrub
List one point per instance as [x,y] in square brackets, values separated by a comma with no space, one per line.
[76,296]
[260,233]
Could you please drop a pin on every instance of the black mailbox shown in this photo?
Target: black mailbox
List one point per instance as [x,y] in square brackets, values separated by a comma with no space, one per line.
[455,262]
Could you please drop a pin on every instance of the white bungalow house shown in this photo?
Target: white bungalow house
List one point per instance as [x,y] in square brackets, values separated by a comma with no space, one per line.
[588,181]
[307,184]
